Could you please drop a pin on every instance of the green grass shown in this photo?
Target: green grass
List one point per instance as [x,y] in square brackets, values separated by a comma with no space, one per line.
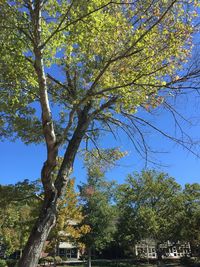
[124,265]
[129,263]
[112,264]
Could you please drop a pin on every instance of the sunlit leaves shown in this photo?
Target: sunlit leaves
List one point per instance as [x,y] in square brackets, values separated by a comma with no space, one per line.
[19,205]
[150,203]
[97,49]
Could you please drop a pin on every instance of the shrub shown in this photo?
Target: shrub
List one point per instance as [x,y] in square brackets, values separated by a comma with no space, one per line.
[49,259]
[42,260]
[58,259]
[186,261]
[64,258]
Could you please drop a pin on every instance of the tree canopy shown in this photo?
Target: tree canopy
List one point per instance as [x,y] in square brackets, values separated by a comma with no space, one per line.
[189,217]
[150,203]
[103,52]
[19,206]
[96,198]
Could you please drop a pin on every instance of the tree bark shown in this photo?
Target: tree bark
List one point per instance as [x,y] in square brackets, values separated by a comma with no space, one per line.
[53,189]
[39,234]
[48,214]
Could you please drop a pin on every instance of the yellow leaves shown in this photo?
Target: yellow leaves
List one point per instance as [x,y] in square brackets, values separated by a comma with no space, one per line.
[69,216]
[197,3]
[75,232]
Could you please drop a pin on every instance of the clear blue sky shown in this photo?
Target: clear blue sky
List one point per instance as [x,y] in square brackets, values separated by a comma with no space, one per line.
[19,161]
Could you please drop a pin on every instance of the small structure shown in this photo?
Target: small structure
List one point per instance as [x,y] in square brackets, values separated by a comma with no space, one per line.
[149,248]
[68,250]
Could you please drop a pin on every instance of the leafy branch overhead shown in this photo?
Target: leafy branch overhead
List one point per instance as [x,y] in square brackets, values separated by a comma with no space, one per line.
[108,53]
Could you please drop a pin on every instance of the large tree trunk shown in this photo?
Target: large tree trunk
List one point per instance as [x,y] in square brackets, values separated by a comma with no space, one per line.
[37,239]
[53,190]
[53,193]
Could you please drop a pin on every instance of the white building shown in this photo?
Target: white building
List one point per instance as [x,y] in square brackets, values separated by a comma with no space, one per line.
[148,249]
[68,250]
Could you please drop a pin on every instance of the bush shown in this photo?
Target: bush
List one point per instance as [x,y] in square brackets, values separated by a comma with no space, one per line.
[64,258]
[42,260]
[196,259]
[58,259]
[3,263]
[49,259]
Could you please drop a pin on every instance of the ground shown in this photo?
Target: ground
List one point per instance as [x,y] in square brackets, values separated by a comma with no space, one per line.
[129,264]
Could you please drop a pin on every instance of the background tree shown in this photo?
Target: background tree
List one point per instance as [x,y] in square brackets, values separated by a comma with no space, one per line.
[189,219]
[19,206]
[96,197]
[70,216]
[84,64]
[150,205]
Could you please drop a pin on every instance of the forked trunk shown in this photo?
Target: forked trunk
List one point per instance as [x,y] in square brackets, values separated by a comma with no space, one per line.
[47,218]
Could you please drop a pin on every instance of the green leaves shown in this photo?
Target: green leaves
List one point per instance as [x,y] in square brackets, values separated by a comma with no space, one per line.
[100,161]
[149,202]
[189,221]
[153,205]
[96,196]
[19,207]
[18,83]
[97,50]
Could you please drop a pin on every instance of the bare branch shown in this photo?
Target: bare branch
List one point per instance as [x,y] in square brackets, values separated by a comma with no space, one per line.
[184,144]
[58,82]
[107,104]
[67,128]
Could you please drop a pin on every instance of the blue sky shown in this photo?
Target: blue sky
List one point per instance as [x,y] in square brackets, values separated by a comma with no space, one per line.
[19,161]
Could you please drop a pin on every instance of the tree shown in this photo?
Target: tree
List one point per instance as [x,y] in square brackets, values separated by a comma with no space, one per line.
[84,64]
[96,197]
[150,204]
[70,215]
[189,219]
[19,206]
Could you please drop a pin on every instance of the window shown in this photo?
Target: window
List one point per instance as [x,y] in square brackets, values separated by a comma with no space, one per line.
[74,253]
[62,252]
